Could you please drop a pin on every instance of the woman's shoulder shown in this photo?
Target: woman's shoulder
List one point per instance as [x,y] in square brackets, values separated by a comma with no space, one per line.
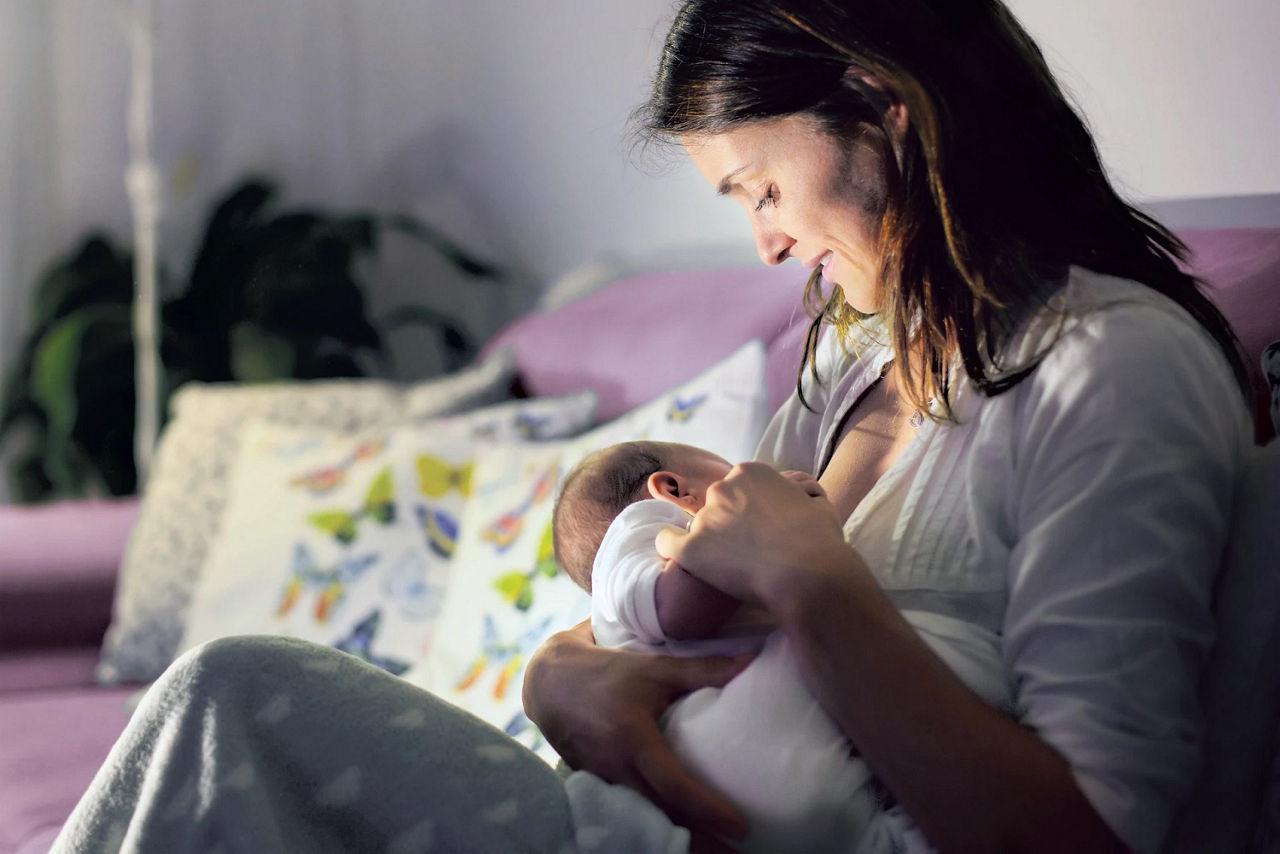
[1093,318]
[1124,348]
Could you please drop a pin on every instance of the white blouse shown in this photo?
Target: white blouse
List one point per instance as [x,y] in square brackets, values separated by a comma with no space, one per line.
[1082,515]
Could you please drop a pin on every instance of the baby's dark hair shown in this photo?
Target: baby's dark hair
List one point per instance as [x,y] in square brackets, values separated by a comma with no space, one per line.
[592,495]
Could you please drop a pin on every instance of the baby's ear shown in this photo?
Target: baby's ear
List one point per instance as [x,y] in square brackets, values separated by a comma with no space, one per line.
[666,486]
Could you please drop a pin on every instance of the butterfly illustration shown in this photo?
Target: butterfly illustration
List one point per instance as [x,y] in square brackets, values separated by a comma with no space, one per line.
[291,450]
[436,477]
[332,582]
[440,527]
[360,644]
[682,408]
[517,587]
[414,587]
[524,730]
[531,426]
[328,478]
[509,654]
[379,505]
[504,530]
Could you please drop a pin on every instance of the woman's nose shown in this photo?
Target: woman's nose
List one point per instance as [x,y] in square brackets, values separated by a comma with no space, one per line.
[773,244]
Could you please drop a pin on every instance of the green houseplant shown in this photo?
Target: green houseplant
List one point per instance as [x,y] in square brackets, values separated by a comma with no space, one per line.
[270,295]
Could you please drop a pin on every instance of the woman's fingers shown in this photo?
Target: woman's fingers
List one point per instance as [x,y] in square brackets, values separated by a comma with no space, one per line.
[689,803]
[807,482]
[712,671]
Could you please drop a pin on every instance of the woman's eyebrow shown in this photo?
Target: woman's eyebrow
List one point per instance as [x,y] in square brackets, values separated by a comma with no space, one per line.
[727,184]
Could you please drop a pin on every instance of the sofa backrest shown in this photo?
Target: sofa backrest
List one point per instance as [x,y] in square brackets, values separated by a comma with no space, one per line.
[642,335]
[1241,266]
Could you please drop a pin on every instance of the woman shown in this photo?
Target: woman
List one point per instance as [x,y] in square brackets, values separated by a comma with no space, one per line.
[1036,405]
[921,156]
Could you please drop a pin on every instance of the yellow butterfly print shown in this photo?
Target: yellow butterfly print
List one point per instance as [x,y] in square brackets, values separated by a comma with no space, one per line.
[379,505]
[517,587]
[436,477]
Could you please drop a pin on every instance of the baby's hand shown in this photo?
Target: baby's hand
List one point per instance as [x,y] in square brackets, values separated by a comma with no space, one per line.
[808,481]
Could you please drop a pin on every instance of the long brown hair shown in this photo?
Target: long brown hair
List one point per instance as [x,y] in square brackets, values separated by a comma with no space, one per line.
[996,188]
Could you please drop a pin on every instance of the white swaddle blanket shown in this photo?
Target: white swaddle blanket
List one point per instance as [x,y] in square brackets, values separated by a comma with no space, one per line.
[762,740]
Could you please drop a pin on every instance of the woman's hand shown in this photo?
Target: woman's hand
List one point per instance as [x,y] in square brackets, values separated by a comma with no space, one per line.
[599,708]
[757,529]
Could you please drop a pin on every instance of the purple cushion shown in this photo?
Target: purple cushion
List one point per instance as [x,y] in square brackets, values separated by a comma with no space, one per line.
[53,743]
[1242,268]
[58,568]
[41,669]
[640,336]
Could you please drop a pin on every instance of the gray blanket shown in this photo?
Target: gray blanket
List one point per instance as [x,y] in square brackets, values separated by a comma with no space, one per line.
[269,744]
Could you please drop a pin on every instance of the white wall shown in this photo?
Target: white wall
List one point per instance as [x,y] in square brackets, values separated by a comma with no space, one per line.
[1183,95]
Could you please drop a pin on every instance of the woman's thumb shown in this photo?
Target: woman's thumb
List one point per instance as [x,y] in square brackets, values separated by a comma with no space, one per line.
[712,671]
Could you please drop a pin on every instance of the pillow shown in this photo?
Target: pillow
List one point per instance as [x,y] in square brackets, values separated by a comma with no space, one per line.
[708,312]
[183,501]
[508,594]
[346,539]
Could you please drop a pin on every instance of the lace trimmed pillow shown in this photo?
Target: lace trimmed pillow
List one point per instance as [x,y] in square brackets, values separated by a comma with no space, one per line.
[184,500]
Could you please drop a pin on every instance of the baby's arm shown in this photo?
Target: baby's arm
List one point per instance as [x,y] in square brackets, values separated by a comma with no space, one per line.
[688,607]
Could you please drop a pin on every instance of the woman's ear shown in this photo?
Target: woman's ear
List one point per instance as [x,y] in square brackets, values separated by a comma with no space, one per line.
[668,486]
[882,98]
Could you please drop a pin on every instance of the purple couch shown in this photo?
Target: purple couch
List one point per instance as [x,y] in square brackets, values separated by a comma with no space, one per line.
[58,563]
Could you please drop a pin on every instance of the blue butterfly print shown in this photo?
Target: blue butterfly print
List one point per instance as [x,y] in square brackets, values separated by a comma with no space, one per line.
[440,527]
[331,583]
[360,644]
[683,408]
[410,583]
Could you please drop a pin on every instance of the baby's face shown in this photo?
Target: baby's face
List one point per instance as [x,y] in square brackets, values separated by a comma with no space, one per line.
[697,469]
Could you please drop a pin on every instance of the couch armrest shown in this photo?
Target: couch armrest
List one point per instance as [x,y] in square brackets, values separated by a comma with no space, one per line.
[58,565]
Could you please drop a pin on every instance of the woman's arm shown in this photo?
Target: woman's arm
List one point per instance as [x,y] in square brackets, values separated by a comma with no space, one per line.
[972,778]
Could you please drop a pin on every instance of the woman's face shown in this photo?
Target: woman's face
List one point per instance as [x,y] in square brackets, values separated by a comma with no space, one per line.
[808,196]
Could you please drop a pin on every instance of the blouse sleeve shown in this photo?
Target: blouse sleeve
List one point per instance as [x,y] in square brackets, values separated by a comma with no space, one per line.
[1128,440]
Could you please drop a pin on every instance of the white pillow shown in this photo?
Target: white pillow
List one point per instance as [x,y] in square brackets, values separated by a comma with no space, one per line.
[507,594]
[346,539]
[183,502]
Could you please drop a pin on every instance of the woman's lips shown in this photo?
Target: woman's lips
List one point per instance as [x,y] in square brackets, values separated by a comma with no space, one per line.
[822,259]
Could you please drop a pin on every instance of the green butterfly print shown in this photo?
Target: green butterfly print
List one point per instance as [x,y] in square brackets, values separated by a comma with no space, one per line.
[379,505]
[517,587]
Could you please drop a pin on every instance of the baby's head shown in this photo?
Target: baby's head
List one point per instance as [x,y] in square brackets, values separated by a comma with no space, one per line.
[606,482]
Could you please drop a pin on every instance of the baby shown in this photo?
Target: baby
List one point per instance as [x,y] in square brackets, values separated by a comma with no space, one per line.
[762,740]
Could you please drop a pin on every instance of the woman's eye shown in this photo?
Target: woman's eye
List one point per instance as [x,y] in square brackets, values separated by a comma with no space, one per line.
[770,198]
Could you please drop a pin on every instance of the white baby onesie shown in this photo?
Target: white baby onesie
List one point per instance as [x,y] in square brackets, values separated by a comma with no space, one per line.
[762,740]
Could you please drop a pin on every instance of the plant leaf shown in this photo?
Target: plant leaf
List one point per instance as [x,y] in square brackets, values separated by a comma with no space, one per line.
[57,362]
[258,355]
[452,252]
